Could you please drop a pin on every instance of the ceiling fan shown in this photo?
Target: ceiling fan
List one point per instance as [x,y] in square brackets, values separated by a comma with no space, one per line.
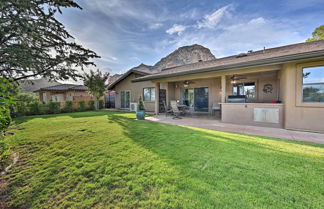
[187,83]
[236,78]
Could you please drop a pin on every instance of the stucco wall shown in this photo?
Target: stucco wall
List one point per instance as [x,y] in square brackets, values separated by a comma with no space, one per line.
[301,117]
[136,90]
[47,96]
[243,113]
[71,94]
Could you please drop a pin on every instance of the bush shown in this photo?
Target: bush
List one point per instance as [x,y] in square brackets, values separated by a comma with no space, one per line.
[68,106]
[5,118]
[54,107]
[81,105]
[44,109]
[101,104]
[91,105]
[23,101]
[21,108]
[34,108]
[4,154]
[140,104]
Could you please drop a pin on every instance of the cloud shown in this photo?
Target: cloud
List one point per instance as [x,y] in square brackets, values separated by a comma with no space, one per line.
[239,36]
[212,20]
[123,9]
[155,26]
[110,59]
[179,29]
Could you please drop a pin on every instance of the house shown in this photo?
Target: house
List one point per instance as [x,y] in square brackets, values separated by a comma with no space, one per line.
[64,92]
[280,87]
[111,94]
[127,92]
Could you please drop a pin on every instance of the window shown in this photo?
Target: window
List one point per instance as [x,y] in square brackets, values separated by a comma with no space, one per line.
[313,84]
[247,89]
[125,99]
[149,94]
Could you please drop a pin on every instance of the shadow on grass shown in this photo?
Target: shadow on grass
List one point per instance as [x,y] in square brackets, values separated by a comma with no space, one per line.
[227,163]
[23,119]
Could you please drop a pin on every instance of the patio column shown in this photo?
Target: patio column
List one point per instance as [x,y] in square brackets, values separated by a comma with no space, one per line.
[223,87]
[157,98]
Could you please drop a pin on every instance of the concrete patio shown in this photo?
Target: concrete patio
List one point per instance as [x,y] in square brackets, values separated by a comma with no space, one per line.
[253,130]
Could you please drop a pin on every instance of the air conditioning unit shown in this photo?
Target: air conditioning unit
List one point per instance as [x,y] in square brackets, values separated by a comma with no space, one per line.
[133,106]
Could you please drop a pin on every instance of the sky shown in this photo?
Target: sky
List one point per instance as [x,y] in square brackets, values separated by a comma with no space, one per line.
[126,33]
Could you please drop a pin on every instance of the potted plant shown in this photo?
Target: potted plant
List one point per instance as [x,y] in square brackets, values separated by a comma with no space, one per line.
[140,113]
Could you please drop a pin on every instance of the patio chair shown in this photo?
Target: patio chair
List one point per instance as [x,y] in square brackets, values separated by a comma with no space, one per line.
[175,109]
[216,109]
[167,109]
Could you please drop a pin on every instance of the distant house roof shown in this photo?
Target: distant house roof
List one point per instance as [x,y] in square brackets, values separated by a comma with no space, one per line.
[64,87]
[141,70]
[278,55]
[35,84]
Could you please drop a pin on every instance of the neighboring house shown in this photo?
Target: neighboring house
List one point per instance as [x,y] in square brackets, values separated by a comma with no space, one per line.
[278,87]
[64,92]
[31,85]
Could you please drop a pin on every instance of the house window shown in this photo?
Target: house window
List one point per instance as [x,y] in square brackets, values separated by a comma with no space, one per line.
[125,99]
[313,84]
[247,89]
[149,94]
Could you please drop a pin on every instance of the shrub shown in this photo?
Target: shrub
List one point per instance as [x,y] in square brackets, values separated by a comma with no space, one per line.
[140,104]
[34,108]
[68,106]
[101,104]
[5,118]
[54,107]
[44,109]
[4,154]
[81,105]
[21,108]
[91,105]
[23,101]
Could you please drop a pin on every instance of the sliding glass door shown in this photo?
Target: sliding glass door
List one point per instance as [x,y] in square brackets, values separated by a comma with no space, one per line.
[201,99]
[125,99]
[196,98]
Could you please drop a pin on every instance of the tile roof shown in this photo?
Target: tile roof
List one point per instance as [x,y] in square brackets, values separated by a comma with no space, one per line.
[64,87]
[277,55]
[142,69]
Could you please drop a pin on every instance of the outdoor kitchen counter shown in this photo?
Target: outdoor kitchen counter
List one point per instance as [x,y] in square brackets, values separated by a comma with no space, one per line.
[256,114]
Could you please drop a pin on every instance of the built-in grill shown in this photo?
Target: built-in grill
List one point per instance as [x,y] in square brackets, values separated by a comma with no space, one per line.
[236,99]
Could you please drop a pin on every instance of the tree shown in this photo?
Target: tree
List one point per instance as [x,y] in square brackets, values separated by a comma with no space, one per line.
[7,92]
[96,83]
[33,43]
[318,34]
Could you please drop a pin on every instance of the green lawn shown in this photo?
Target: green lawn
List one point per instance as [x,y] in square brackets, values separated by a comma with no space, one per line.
[109,160]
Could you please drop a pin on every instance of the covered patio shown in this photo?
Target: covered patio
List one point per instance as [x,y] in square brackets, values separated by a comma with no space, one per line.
[249,96]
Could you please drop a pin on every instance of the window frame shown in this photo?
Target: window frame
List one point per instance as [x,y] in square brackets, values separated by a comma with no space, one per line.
[236,85]
[299,85]
[120,93]
[150,94]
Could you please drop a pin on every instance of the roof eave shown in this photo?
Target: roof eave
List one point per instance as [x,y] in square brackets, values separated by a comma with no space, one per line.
[242,65]
[112,86]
